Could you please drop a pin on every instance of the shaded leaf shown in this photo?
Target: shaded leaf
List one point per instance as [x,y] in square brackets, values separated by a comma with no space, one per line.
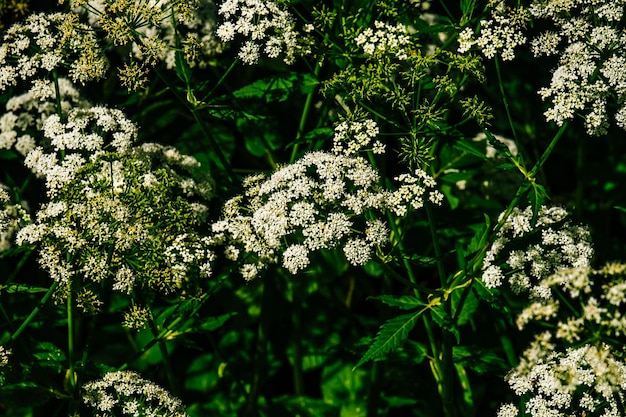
[404,302]
[391,335]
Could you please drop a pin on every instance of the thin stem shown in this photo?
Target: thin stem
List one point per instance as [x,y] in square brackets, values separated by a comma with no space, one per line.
[164,354]
[205,131]
[305,112]
[436,361]
[221,80]
[504,100]
[446,370]
[70,339]
[296,321]
[260,356]
[57,93]
[36,310]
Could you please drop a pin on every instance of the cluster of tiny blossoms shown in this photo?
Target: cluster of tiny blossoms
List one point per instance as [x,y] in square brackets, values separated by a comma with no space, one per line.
[524,253]
[384,39]
[71,142]
[353,137]
[21,125]
[265,27]
[12,217]
[322,201]
[126,221]
[126,393]
[499,35]
[584,380]
[600,295]
[4,361]
[50,42]
[589,39]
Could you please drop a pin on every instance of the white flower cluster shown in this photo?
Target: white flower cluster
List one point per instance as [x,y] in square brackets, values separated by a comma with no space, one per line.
[49,42]
[589,38]
[524,253]
[86,133]
[592,58]
[4,361]
[4,356]
[499,35]
[12,217]
[322,201]
[411,193]
[385,39]
[319,202]
[584,380]
[600,295]
[26,113]
[353,137]
[127,222]
[126,393]
[266,27]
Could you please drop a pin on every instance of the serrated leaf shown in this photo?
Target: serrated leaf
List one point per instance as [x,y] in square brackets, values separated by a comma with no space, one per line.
[391,335]
[404,302]
[444,320]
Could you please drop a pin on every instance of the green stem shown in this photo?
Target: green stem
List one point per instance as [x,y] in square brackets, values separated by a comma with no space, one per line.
[57,93]
[164,354]
[205,131]
[446,369]
[296,320]
[70,339]
[36,310]
[221,80]
[436,361]
[504,100]
[260,356]
[305,113]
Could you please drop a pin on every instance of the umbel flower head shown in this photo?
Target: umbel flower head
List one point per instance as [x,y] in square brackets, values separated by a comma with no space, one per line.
[524,253]
[588,38]
[70,143]
[125,222]
[322,201]
[126,393]
[587,380]
[12,217]
[43,43]
[21,125]
[266,28]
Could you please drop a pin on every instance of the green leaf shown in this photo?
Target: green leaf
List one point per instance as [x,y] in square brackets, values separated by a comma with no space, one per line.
[479,240]
[470,148]
[182,68]
[213,323]
[537,197]
[391,335]
[443,319]
[479,360]
[278,88]
[404,302]
[8,154]
[49,355]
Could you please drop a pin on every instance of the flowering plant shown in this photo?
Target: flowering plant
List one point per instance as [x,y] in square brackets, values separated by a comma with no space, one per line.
[336,208]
